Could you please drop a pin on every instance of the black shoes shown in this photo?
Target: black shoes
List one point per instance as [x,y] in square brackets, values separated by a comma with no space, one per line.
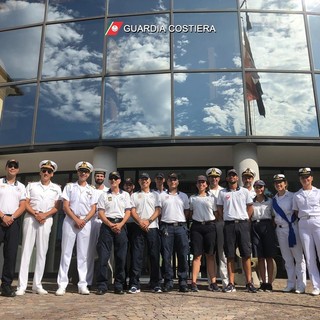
[118,291]
[251,288]
[166,289]
[7,291]
[101,292]
[183,289]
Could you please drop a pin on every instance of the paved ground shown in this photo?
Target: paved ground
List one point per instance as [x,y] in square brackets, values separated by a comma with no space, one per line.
[174,305]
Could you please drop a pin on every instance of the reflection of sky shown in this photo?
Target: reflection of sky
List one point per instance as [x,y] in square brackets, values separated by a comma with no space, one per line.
[204,4]
[207,50]
[278,41]
[312,5]
[314,25]
[141,107]
[273,4]
[133,6]
[209,104]
[290,106]
[73,106]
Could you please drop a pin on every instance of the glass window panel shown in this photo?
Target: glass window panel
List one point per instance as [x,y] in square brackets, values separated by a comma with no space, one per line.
[18,13]
[137,107]
[19,53]
[73,9]
[314,25]
[312,5]
[16,113]
[207,50]
[69,111]
[278,41]
[134,6]
[317,77]
[73,49]
[204,4]
[209,104]
[289,104]
[136,51]
[271,4]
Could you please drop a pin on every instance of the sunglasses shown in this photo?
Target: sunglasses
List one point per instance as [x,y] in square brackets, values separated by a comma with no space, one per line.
[46,170]
[84,171]
[13,165]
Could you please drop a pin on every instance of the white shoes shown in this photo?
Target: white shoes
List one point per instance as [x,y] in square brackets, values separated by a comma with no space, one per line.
[20,292]
[84,291]
[288,289]
[60,292]
[40,291]
[315,292]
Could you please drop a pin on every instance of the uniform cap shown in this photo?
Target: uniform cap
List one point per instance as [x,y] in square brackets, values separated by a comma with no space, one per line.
[248,172]
[259,183]
[84,166]
[305,172]
[173,175]
[48,164]
[213,172]
[100,170]
[233,171]
[114,174]
[12,161]
[160,175]
[144,175]
[202,178]
[279,177]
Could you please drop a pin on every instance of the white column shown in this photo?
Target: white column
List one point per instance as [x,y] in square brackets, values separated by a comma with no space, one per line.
[245,156]
[105,158]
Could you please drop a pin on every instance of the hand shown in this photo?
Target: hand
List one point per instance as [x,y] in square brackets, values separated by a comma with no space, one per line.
[40,217]
[144,224]
[116,227]
[79,223]
[7,221]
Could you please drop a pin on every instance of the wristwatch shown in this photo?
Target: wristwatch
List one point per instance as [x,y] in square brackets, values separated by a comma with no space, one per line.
[150,221]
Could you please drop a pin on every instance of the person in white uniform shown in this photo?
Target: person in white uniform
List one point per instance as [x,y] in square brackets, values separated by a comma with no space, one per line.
[100,187]
[288,236]
[203,233]
[12,206]
[306,204]
[214,176]
[79,204]
[42,203]
[248,176]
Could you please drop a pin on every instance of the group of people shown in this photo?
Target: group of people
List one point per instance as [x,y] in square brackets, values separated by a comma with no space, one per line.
[110,221]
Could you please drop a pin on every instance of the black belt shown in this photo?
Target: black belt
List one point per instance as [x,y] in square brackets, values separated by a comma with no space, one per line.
[175,224]
[235,221]
[115,220]
[204,222]
[261,220]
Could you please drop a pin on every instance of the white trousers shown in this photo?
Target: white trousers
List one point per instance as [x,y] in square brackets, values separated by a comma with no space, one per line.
[223,272]
[70,235]
[293,257]
[37,234]
[309,231]
[92,250]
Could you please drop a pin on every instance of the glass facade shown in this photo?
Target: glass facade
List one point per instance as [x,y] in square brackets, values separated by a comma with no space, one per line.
[101,71]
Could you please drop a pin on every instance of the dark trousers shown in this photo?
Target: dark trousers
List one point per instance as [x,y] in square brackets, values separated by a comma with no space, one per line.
[153,242]
[175,238]
[107,238]
[10,238]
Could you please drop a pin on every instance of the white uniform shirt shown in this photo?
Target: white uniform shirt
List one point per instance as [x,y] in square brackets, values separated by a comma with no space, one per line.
[114,205]
[10,196]
[215,193]
[42,197]
[98,193]
[145,204]
[234,203]
[81,198]
[173,206]
[285,203]
[203,207]
[307,202]
[262,210]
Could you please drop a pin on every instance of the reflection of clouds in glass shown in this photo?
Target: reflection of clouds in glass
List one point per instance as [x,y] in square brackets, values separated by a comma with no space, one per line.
[183,130]
[181,101]
[20,12]
[290,106]
[272,4]
[66,51]
[144,109]
[278,41]
[229,116]
[139,51]
[72,101]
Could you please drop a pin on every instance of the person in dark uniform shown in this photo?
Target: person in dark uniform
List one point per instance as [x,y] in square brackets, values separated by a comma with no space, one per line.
[12,205]
[114,209]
